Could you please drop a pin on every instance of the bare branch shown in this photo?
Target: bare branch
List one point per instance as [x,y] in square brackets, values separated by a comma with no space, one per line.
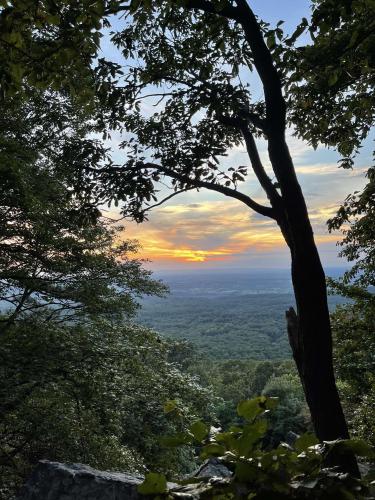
[166,199]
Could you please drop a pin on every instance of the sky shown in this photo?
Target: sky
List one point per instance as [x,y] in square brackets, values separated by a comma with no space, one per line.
[204,230]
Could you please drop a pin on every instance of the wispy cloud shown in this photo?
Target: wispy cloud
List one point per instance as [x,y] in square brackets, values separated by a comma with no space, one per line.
[330,169]
[214,231]
[205,227]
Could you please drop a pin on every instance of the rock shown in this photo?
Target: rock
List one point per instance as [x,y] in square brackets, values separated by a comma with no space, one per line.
[56,481]
[212,468]
[291,438]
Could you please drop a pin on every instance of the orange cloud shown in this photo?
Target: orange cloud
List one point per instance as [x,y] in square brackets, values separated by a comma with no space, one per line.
[203,232]
[211,231]
[190,254]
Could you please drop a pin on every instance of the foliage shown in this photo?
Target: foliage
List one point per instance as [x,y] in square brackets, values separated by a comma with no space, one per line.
[45,43]
[91,394]
[197,58]
[356,219]
[74,387]
[355,344]
[279,473]
[236,380]
[224,326]
[354,324]
[181,87]
[353,327]
[56,250]
[291,414]
[331,87]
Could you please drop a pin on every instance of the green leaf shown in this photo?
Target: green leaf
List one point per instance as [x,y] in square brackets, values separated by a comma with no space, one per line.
[305,441]
[357,446]
[246,472]
[212,450]
[333,77]
[170,405]
[251,408]
[154,484]
[228,439]
[271,403]
[271,40]
[251,435]
[199,430]
[176,440]
[134,5]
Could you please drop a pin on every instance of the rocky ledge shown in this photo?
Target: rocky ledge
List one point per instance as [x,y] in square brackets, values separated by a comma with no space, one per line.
[57,481]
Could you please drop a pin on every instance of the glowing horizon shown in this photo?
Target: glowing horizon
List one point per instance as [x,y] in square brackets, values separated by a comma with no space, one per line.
[203,228]
[219,231]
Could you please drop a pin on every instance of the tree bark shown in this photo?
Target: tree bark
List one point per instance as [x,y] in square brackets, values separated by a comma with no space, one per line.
[312,351]
[309,330]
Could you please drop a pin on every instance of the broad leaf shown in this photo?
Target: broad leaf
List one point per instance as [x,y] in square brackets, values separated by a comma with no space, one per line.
[199,430]
[305,441]
[154,484]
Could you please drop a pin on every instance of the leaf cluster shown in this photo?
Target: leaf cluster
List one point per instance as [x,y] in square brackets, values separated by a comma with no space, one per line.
[57,251]
[281,473]
[182,80]
[331,84]
[49,44]
[356,220]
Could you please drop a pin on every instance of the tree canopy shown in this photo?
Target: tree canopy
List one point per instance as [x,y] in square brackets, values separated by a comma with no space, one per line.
[331,87]
[183,100]
[57,252]
[49,44]
[90,393]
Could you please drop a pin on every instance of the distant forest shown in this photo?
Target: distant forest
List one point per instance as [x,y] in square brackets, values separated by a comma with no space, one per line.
[225,326]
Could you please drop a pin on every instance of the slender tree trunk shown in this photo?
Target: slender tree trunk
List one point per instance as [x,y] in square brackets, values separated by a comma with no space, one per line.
[311,339]
[311,343]
[310,334]
[312,347]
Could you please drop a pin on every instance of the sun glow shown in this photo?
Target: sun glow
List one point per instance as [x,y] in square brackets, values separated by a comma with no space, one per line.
[188,254]
[216,230]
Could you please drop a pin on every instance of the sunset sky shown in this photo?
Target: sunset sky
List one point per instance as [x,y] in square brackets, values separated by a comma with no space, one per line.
[206,230]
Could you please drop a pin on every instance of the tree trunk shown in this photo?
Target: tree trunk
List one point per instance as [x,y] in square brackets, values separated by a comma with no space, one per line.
[312,351]
[311,338]
[310,330]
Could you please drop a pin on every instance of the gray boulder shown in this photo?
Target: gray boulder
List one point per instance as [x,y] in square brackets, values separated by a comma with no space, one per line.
[56,481]
[212,468]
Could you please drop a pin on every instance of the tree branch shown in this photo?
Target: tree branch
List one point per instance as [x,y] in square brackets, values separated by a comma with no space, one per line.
[255,160]
[232,193]
[258,168]
[227,11]
[275,103]
[165,199]
[256,120]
